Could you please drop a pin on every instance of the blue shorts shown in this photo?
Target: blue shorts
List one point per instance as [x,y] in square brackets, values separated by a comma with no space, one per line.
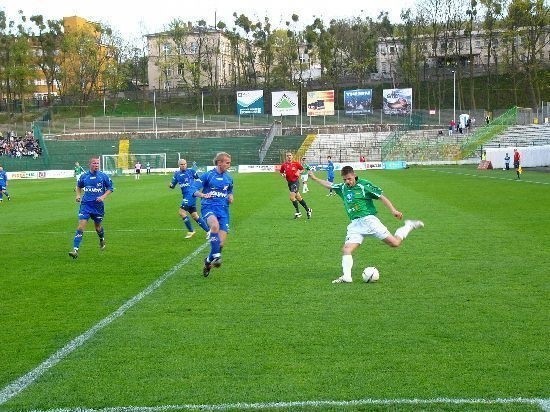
[294,187]
[189,202]
[330,178]
[188,209]
[221,212]
[94,212]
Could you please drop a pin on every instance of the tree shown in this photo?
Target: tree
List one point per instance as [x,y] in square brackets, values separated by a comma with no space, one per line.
[48,42]
[471,12]
[527,25]
[493,11]
[89,63]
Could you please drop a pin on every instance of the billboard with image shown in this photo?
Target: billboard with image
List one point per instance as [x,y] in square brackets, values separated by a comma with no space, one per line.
[250,102]
[358,101]
[397,101]
[284,103]
[320,103]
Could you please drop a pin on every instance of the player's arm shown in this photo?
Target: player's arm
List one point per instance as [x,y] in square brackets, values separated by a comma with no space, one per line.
[104,195]
[282,171]
[78,193]
[390,206]
[322,182]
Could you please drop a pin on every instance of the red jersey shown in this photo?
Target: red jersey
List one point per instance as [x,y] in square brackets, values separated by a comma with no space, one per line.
[516,156]
[291,170]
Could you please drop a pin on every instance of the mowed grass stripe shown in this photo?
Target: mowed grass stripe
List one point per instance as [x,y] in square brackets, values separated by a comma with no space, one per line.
[19,385]
[459,310]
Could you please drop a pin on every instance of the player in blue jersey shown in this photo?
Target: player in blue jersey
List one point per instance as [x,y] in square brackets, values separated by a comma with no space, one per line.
[186,179]
[3,184]
[91,190]
[216,195]
[330,175]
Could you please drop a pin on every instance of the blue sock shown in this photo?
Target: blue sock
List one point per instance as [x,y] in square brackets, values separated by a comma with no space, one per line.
[215,250]
[77,239]
[202,224]
[188,223]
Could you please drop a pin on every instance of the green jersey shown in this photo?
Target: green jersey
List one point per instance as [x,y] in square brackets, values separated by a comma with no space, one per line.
[78,170]
[358,198]
[306,167]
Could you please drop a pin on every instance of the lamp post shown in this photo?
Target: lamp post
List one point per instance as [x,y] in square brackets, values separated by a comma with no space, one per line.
[155,109]
[301,107]
[454,95]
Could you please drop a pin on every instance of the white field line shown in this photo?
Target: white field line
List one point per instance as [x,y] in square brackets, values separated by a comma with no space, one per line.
[489,177]
[20,384]
[544,404]
[65,232]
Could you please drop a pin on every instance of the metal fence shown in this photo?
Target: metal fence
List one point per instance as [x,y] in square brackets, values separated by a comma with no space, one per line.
[111,124]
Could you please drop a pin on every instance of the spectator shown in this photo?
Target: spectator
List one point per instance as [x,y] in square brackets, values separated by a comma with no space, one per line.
[507,162]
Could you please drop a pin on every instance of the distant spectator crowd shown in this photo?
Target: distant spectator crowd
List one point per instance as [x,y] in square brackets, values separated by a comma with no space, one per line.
[12,145]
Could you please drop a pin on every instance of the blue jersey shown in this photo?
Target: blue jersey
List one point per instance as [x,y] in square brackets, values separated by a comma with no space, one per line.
[94,185]
[3,178]
[330,170]
[187,180]
[219,186]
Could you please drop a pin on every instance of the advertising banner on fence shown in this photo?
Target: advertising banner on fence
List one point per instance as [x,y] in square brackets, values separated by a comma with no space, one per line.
[284,103]
[256,168]
[250,102]
[320,103]
[397,101]
[358,101]
[42,174]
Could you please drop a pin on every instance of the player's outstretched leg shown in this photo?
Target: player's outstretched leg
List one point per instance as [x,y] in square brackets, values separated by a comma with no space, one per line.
[409,225]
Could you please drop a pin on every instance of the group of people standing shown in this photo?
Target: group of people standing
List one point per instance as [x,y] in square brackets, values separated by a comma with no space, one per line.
[215,190]
[137,168]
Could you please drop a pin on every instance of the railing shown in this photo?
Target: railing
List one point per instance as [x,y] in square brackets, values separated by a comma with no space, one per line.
[276,130]
[484,134]
[150,124]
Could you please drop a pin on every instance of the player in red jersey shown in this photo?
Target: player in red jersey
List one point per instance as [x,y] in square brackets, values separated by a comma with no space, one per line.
[517,166]
[290,170]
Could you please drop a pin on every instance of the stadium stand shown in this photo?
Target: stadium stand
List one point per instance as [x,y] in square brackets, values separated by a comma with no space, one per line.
[243,150]
[347,147]
[281,145]
[521,136]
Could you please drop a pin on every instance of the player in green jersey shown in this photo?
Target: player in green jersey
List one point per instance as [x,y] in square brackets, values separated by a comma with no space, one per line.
[304,175]
[358,195]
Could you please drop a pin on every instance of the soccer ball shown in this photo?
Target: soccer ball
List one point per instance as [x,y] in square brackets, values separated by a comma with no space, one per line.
[370,274]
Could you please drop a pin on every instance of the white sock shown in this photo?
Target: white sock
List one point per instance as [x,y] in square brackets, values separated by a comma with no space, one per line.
[403,231]
[347,265]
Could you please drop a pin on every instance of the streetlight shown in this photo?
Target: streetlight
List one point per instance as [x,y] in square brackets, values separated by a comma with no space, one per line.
[454,96]
[301,107]
[155,107]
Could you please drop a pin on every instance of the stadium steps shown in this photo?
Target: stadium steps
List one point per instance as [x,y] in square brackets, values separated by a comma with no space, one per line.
[282,144]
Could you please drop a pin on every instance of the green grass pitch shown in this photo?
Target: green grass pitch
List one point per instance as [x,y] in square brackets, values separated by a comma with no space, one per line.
[458,321]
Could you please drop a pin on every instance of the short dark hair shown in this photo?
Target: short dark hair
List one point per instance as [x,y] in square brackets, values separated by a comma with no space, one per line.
[346,170]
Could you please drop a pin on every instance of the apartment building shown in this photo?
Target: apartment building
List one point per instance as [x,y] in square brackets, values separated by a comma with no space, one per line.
[199,58]
[454,51]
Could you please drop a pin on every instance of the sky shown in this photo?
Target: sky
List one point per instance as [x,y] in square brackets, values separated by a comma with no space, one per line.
[132,19]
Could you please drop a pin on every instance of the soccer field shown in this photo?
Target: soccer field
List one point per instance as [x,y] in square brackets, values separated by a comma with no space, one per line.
[458,321]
